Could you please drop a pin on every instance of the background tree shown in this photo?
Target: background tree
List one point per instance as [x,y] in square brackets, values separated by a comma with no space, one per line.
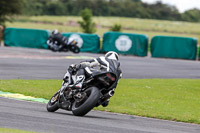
[192,15]
[8,9]
[55,8]
[34,7]
[87,25]
[162,11]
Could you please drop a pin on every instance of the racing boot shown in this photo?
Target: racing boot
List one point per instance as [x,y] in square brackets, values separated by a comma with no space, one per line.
[105,104]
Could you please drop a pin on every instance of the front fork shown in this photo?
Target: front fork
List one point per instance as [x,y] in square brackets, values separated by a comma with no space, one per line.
[65,83]
[62,101]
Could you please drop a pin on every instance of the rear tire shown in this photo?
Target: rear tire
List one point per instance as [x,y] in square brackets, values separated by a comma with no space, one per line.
[75,49]
[93,95]
[52,106]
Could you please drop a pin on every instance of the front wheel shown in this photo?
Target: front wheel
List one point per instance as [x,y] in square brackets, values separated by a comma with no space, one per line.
[87,103]
[52,105]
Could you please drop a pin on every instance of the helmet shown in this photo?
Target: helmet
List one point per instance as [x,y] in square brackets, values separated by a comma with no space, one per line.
[55,31]
[112,55]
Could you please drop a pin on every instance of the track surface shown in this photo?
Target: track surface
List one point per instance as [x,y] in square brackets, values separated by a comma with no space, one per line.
[43,64]
[33,117]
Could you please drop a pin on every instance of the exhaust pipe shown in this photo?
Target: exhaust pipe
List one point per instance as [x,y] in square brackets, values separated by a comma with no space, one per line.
[109,94]
[105,97]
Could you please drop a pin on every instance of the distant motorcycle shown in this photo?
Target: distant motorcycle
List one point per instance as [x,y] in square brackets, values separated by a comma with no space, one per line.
[66,45]
[96,90]
[72,46]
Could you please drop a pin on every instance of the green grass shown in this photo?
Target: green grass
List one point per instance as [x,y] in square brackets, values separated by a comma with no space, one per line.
[170,99]
[132,25]
[8,130]
[138,24]
[43,26]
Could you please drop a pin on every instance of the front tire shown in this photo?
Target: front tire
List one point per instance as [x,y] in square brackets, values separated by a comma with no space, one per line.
[93,95]
[52,105]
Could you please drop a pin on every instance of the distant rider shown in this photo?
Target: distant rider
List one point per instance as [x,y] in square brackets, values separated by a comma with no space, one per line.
[57,41]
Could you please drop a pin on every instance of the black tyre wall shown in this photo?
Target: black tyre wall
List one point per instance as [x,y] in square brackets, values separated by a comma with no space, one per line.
[88,104]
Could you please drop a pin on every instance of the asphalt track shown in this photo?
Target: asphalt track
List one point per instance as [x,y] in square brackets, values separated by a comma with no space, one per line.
[23,63]
[43,64]
[34,117]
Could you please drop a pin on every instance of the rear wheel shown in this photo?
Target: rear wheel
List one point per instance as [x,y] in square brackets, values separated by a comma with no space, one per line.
[75,49]
[86,102]
[52,105]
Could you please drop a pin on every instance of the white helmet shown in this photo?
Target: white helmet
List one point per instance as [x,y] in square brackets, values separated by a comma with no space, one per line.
[112,55]
[55,31]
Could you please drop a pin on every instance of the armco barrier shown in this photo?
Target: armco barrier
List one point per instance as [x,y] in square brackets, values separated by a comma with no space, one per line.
[32,38]
[125,43]
[87,42]
[174,47]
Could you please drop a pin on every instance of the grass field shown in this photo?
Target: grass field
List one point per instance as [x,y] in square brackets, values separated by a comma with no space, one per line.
[130,25]
[170,99]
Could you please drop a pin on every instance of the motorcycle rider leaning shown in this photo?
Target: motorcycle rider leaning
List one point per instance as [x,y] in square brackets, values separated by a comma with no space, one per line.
[108,63]
[57,41]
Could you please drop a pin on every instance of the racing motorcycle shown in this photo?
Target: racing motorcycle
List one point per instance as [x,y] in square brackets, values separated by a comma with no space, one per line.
[70,45]
[96,90]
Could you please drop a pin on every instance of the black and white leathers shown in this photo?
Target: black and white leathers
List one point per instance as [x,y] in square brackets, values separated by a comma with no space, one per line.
[105,64]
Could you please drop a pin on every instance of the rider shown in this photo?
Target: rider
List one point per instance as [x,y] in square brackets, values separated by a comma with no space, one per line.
[107,63]
[57,41]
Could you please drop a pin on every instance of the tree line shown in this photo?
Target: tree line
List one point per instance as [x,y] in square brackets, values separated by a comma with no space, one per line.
[125,8]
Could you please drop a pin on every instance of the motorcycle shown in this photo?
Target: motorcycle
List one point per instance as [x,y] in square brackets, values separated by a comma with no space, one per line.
[96,90]
[70,45]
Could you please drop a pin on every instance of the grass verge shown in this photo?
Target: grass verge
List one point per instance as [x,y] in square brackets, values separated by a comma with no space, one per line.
[170,99]
[8,130]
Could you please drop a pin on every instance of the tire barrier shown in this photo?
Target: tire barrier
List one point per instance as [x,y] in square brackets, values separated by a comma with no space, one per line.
[32,38]
[122,43]
[125,43]
[174,47]
[87,42]
[199,54]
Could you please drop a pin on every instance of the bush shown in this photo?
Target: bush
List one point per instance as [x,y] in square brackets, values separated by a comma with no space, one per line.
[116,27]
[87,25]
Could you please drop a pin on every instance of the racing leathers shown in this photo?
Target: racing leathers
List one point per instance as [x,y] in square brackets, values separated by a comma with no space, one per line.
[57,41]
[86,68]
